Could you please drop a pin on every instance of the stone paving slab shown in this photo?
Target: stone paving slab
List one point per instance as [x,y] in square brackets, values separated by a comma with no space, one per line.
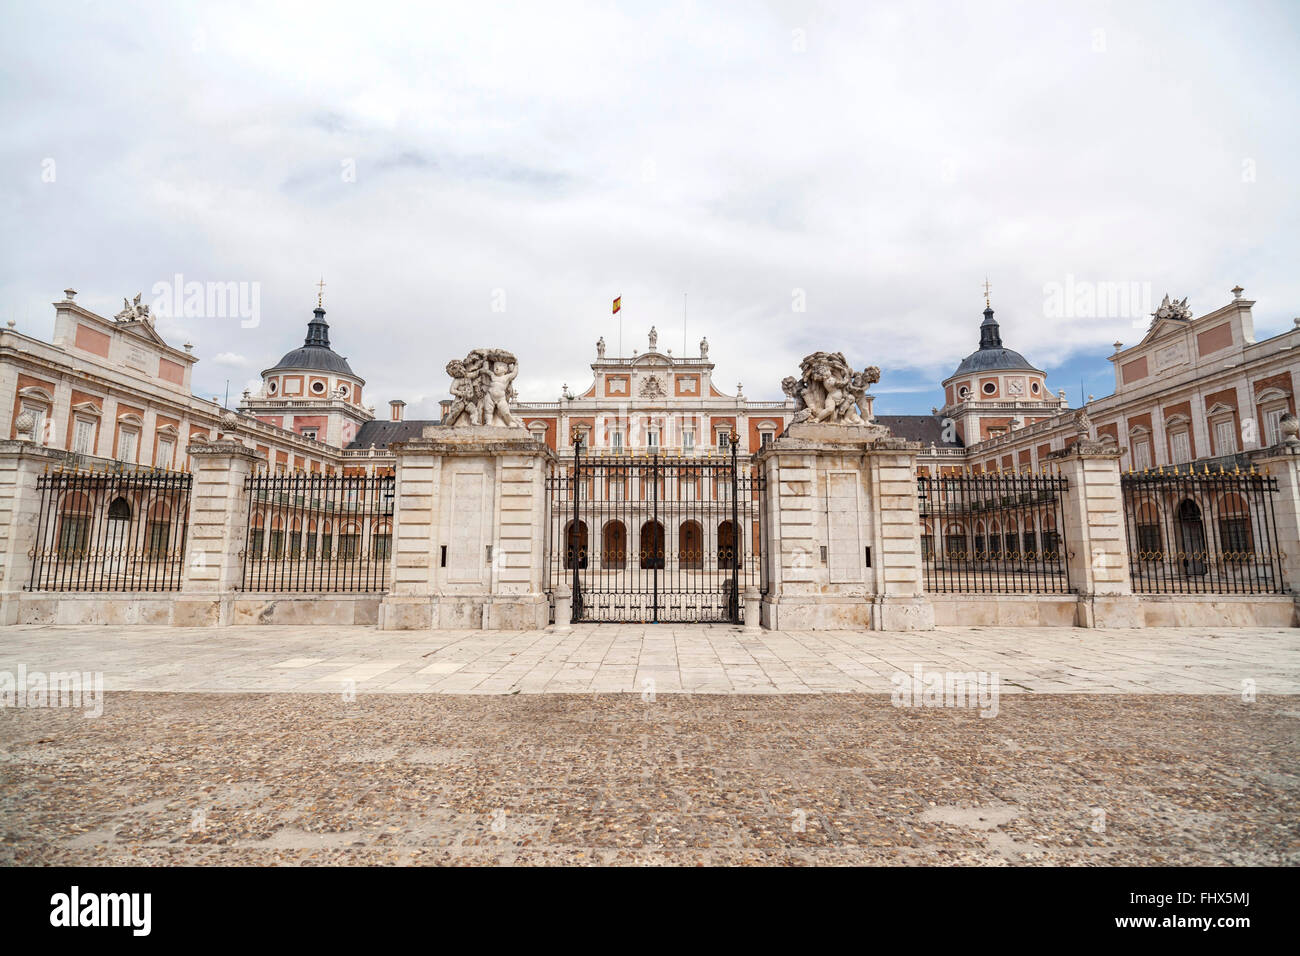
[660,659]
[274,779]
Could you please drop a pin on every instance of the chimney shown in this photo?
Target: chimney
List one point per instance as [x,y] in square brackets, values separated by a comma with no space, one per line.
[396,405]
[445,405]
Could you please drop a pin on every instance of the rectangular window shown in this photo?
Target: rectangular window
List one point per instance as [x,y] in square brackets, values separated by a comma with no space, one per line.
[765,439]
[126,444]
[309,433]
[927,547]
[311,545]
[1225,437]
[1273,425]
[83,437]
[277,544]
[295,544]
[688,440]
[617,438]
[165,451]
[1182,448]
[617,489]
[348,545]
[723,443]
[1141,455]
[381,545]
[652,439]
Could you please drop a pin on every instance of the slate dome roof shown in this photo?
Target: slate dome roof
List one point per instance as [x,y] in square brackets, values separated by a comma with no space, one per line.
[315,355]
[991,356]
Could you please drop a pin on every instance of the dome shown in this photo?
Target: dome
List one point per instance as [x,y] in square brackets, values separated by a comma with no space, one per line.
[991,356]
[315,355]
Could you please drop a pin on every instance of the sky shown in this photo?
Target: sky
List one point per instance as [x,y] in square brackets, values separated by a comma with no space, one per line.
[781,177]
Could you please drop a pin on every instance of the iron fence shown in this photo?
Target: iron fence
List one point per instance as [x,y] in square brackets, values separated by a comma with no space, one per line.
[111,531]
[993,534]
[318,533]
[1202,533]
[654,538]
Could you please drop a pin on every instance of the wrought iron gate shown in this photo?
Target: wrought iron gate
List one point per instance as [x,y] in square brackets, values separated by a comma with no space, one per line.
[657,538]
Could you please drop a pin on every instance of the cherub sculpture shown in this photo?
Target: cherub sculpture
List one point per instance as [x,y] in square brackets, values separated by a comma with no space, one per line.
[482,388]
[829,391]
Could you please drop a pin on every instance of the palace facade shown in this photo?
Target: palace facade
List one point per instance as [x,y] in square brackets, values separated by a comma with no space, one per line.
[1192,390]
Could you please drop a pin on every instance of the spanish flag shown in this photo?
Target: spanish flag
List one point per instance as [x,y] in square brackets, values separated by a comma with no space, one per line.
[618,304]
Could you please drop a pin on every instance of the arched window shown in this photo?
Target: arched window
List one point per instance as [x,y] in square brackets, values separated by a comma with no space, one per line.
[954,542]
[1051,539]
[159,529]
[575,546]
[652,545]
[381,539]
[349,540]
[1146,524]
[257,535]
[613,545]
[690,545]
[277,537]
[74,525]
[1191,538]
[119,509]
[727,545]
[1236,540]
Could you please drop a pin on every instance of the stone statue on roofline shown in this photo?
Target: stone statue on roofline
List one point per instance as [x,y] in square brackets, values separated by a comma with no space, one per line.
[829,391]
[482,389]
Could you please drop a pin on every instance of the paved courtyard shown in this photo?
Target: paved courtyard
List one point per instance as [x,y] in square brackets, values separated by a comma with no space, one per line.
[684,779]
[658,658]
[652,745]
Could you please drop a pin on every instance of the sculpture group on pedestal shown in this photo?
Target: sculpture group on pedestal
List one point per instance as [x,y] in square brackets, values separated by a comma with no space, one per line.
[829,391]
[482,388]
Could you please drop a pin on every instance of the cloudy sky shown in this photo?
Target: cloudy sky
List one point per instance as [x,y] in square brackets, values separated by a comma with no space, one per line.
[808,175]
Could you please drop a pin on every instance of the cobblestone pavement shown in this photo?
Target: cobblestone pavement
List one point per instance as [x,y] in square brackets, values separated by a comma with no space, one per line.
[167,778]
[663,658]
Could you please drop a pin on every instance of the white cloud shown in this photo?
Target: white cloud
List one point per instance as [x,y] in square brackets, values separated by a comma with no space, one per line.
[569,155]
[232,360]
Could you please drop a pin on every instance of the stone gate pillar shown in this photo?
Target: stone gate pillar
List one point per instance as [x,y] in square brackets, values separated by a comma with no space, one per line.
[217,532]
[469,530]
[1282,462]
[1094,538]
[843,530]
[21,464]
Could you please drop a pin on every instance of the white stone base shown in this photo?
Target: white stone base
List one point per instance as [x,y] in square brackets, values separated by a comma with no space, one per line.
[180,609]
[799,613]
[903,614]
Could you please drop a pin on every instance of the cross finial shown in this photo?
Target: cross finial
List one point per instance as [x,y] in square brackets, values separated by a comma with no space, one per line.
[320,293]
[986,293]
